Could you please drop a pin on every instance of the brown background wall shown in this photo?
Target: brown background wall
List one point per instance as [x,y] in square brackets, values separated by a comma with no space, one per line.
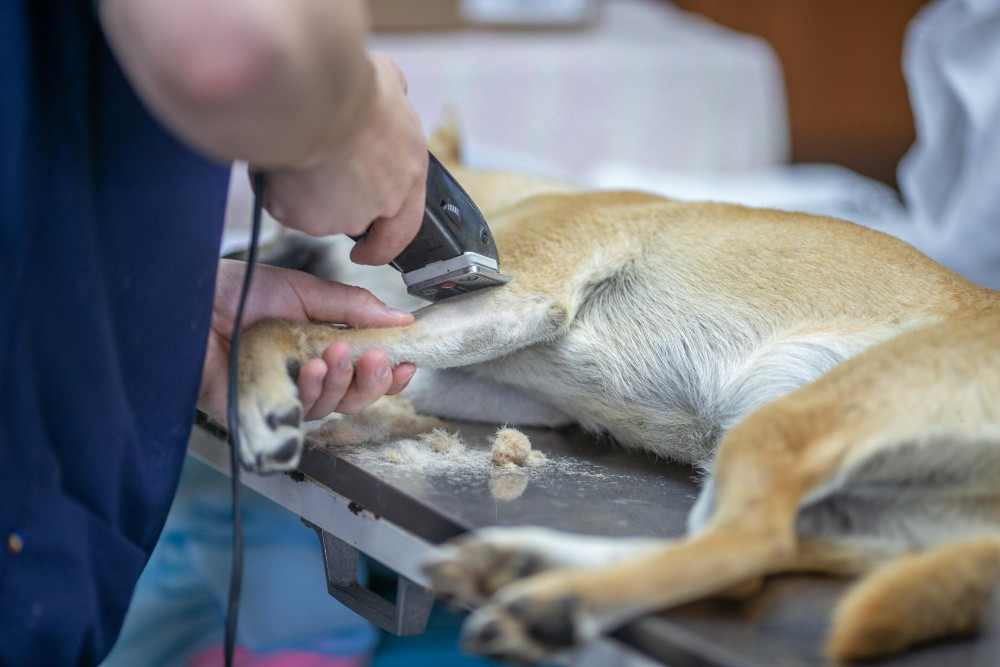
[846,96]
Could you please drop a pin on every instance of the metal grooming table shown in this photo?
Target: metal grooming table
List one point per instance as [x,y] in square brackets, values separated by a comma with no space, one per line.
[397,516]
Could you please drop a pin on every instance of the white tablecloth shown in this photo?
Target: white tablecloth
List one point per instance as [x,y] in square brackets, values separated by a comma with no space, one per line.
[650,86]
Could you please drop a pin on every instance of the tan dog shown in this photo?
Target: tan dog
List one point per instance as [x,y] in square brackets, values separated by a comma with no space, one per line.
[839,388]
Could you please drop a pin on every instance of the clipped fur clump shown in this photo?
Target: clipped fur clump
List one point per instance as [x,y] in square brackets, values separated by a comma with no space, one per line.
[389,418]
[441,441]
[405,451]
[420,450]
[512,449]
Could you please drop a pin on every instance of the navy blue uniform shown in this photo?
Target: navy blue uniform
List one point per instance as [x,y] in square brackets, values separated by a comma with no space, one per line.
[109,233]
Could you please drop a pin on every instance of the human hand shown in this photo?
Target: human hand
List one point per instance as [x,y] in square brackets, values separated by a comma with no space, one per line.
[326,384]
[375,175]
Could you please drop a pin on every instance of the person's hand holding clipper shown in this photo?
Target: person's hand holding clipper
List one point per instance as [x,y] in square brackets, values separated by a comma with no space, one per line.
[371,178]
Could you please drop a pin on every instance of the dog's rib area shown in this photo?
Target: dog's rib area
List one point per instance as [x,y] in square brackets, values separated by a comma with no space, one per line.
[909,496]
[672,372]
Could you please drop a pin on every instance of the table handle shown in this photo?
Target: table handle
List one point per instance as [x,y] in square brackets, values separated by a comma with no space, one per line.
[408,616]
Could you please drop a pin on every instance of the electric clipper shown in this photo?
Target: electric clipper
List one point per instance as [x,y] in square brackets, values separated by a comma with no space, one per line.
[454,252]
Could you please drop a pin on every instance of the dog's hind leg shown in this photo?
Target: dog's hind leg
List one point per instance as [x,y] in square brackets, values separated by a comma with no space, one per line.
[751,534]
[460,331]
[917,598]
[932,387]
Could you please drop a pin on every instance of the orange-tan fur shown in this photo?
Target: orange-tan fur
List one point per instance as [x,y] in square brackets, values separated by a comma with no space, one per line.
[835,365]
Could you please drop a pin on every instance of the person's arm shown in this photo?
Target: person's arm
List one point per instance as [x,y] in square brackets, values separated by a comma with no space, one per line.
[268,81]
[287,86]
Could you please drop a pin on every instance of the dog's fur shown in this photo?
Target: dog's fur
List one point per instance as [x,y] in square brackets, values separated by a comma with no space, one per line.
[838,387]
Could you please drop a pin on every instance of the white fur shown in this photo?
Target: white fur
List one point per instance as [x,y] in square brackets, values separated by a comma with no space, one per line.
[555,548]
[456,394]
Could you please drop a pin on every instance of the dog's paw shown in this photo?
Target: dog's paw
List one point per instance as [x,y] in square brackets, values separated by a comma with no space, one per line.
[525,624]
[469,569]
[271,425]
[528,585]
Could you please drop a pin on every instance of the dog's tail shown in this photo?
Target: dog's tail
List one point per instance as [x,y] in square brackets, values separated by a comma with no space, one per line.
[951,590]
[444,141]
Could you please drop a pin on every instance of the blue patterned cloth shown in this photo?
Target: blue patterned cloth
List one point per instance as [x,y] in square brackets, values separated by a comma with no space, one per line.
[180,603]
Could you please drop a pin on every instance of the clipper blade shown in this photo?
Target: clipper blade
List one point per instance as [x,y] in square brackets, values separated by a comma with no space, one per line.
[466,273]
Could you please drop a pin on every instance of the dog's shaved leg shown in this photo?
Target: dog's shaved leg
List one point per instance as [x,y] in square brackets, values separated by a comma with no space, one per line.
[459,331]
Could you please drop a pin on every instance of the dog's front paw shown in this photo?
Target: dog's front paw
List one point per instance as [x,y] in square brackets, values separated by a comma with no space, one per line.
[271,425]
[525,624]
[469,569]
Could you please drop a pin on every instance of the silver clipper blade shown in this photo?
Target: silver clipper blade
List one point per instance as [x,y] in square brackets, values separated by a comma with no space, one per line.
[468,272]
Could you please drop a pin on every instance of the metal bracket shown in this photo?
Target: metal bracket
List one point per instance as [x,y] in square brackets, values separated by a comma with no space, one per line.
[408,616]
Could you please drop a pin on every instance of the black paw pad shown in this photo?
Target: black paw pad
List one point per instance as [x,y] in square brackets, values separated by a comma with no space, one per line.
[290,418]
[556,626]
[488,632]
[525,563]
[286,452]
[520,609]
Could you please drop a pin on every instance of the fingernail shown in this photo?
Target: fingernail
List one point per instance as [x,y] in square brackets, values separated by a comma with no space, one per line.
[382,371]
[344,363]
[396,312]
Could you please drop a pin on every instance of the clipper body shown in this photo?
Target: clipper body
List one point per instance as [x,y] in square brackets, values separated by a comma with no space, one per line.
[454,252]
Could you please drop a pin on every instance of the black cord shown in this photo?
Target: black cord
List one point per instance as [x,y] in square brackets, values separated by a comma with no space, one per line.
[233,422]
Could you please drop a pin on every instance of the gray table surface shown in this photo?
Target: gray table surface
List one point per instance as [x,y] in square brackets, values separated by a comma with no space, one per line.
[591,487]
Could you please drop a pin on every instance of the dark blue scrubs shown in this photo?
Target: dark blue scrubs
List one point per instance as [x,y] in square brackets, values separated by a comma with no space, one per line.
[109,233]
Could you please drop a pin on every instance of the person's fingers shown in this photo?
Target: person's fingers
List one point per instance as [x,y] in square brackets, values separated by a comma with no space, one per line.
[380,60]
[338,379]
[214,379]
[372,379]
[326,301]
[401,376]
[388,236]
[310,382]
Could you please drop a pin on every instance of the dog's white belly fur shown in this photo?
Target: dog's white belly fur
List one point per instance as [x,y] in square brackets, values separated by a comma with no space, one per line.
[666,387]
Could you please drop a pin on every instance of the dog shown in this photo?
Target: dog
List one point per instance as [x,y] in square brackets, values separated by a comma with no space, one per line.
[838,388]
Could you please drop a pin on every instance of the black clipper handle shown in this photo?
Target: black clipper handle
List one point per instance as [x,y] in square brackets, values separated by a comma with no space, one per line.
[452,224]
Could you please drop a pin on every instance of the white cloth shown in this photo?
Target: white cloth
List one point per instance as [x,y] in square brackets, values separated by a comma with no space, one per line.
[649,86]
[950,178]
